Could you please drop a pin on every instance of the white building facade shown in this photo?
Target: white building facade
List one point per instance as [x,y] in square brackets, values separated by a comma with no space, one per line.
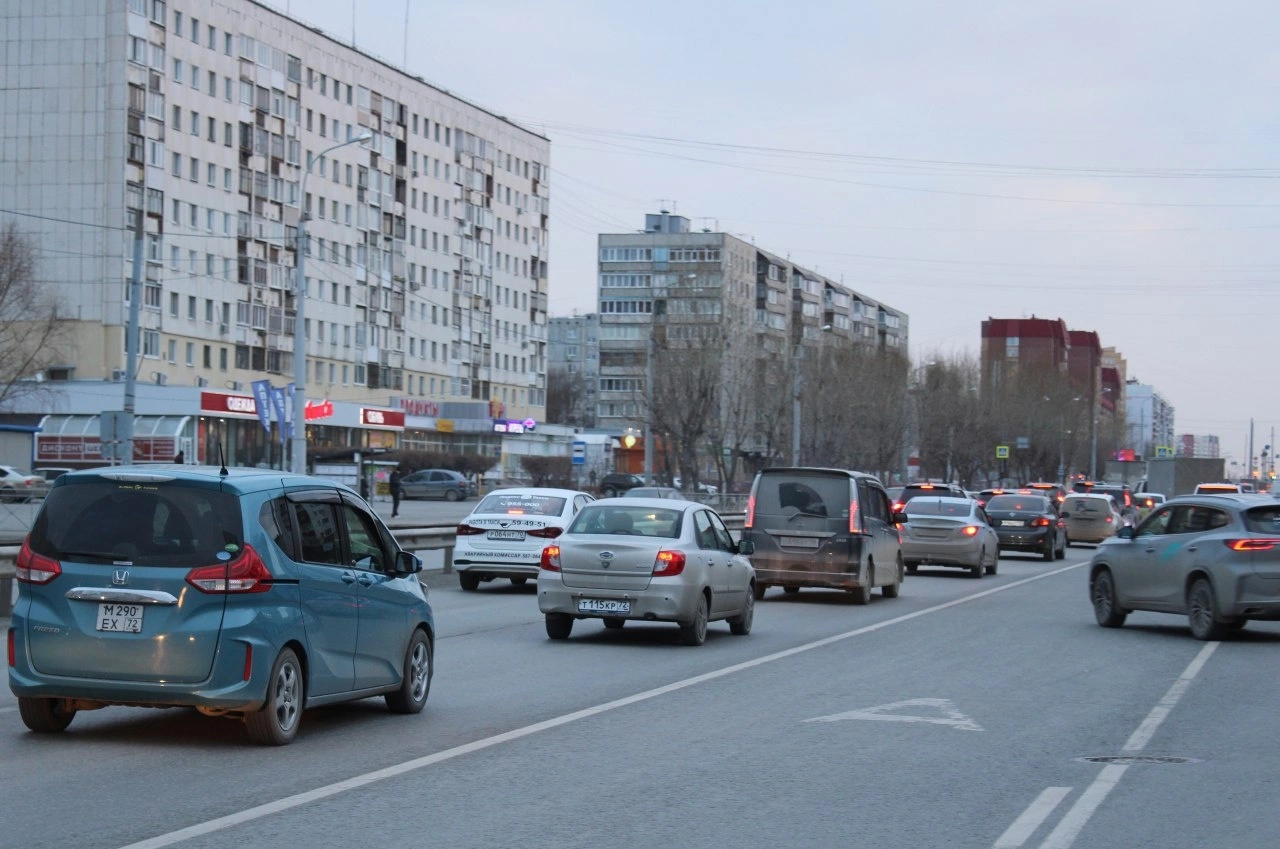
[426,273]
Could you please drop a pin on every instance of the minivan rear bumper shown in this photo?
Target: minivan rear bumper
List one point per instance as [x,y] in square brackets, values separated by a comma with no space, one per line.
[776,569]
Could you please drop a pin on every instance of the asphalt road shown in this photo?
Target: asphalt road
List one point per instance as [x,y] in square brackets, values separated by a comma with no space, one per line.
[958,715]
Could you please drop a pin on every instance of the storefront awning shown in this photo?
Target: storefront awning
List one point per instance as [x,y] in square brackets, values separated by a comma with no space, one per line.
[76,438]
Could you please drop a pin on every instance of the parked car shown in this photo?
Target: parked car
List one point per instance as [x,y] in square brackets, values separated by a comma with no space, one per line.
[914,490]
[51,473]
[948,531]
[17,485]
[813,527]
[1090,517]
[617,483]
[702,487]
[239,592]
[437,483]
[1213,558]
[1028,523]
[654,492]
[504,536]
[647,559]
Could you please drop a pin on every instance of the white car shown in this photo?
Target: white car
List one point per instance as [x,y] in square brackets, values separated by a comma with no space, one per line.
[704,488]
[504,536]
[17,485]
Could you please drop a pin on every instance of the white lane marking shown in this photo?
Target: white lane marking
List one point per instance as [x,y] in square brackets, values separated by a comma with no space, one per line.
[359,781]
[1035,814]
[1069,828]
[1148,728]
[948,715]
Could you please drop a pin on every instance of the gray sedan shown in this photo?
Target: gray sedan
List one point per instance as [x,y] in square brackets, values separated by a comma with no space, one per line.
[1213,558]
[949,531]
[647,559]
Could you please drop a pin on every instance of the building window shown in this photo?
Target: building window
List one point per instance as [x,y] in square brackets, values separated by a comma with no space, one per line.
[1011,348]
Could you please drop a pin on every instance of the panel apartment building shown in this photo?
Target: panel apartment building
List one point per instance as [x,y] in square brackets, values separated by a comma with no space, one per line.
[426,269]
[672,282]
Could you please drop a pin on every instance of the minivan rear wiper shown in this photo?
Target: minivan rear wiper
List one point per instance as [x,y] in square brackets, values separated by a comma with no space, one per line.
[97,555]
[807,513]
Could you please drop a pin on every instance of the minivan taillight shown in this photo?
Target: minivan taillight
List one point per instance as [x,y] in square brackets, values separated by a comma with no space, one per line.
[549,532]
[32,568]
[668,563]
[246,574]
[855,518]
[465,530]
[750,519]
[550,558]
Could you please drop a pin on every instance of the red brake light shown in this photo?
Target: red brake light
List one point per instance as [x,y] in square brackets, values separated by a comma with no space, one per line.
[549,532]
[897,508]
[1252,544]
[668,563]
[1040,522]
[1108,520]
[248,660]
[32,568]
[750,518]
[246,574]
[465,530]
[855,519]
[550,558]
[13,650]
[970,530]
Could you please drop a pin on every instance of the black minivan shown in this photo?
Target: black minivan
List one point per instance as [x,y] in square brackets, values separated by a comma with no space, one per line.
[816,527]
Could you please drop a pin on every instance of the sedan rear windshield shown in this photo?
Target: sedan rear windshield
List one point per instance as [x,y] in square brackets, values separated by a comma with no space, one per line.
[1087,505]
[627,520]
[517,504]
[1018,504]
[156,524]
[925,506]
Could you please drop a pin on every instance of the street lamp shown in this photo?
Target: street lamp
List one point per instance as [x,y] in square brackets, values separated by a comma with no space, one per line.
[298,443]
[797,385]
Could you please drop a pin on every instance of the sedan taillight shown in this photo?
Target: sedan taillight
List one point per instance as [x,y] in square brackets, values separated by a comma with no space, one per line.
[32,568]
[1040,522]
[668,563]
[550,558]
[465,530]
[970,530]
[549,532]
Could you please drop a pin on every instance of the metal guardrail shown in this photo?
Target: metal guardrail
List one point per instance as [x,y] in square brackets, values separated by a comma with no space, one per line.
[439,537]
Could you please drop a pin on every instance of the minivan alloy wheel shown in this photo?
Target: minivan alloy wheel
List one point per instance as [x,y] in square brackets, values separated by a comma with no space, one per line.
[276,722]
[415,684]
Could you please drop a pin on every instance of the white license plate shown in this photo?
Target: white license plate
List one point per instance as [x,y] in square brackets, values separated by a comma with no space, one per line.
[603,605]
[505,535]
[125,618]
[801,542]
[1012,523]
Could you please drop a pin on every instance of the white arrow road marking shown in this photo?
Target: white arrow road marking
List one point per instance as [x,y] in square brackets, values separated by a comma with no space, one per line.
[948,714]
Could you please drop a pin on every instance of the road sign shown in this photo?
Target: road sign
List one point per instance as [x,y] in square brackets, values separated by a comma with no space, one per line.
[1023,443]
[1002,452]
[579,453]
[1164,450]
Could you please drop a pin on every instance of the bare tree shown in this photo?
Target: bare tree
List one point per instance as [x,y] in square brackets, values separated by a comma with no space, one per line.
[685,395]
[854,412]
[33,334]
[568,399]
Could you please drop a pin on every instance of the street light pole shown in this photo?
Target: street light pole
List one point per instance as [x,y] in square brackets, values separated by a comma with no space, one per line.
[795,406]
[298,444]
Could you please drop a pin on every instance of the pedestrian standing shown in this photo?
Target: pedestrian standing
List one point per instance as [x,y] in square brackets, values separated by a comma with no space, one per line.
[396,490]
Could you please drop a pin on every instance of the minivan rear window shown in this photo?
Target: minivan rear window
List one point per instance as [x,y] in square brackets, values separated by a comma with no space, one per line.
[156,524]
[812,494]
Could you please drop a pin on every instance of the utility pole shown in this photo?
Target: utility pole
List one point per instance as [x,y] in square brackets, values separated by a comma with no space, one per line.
[1251,449]
[131,337]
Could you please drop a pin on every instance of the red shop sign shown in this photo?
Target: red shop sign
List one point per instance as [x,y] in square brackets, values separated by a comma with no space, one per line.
[388,419]
[219,404]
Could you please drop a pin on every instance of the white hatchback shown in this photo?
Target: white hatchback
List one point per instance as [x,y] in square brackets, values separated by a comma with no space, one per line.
[504,536]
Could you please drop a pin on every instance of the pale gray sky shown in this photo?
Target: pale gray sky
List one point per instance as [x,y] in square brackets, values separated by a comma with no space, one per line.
[1110,162]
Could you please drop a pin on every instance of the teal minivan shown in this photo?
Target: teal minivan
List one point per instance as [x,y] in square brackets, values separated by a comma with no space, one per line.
[249,593]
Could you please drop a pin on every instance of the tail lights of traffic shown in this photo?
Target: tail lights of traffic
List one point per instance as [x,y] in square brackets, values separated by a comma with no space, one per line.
[32,568]
[1040,522]
[550,532]
[970,530]
[246,574]
[750,518]
[668,563]
[1252,544]
[855,518]
[550,558]
[465,530]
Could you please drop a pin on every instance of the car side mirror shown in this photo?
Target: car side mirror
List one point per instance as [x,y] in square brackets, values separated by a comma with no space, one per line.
[1126,532]
[408,563]
[746,546]
[899,517]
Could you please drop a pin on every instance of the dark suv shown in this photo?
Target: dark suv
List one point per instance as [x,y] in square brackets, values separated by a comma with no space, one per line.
[617,483]
[823,528]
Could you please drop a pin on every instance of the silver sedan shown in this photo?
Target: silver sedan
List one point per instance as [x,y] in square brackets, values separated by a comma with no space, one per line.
[647,559]
[949,531]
